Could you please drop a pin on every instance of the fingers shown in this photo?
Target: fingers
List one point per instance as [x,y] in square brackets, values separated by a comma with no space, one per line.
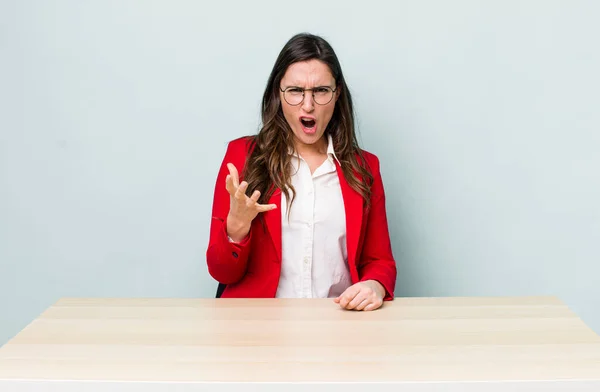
[363,305]
[261,207]
[255,196]
[240,194]
[362,302]
[359,297]
[238,191]
[265,207]
[253,201]
[348,295]
[235,177]
[229,185]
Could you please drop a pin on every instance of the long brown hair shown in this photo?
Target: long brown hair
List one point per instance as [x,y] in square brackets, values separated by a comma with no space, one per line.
[268,166]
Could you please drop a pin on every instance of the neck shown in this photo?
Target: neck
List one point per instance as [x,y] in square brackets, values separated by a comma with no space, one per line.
[318,148]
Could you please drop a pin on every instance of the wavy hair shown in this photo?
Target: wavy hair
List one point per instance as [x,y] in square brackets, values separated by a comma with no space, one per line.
[268,166]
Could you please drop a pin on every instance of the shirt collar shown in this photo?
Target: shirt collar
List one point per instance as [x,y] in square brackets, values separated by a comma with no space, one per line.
[330,151]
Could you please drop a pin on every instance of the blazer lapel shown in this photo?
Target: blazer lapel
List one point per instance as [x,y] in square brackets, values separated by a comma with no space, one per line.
[353,206]
[273,222]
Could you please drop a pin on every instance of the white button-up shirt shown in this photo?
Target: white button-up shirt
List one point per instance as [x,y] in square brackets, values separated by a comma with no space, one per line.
[314,255]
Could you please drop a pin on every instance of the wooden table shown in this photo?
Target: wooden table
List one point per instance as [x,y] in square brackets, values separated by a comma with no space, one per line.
[411,344]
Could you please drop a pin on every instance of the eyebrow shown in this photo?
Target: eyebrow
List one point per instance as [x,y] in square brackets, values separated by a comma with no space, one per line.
[317,86]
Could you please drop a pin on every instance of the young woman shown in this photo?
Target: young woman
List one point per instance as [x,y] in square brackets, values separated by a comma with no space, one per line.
[299,209]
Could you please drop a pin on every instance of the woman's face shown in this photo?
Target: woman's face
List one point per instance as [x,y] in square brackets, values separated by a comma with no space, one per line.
[308,120]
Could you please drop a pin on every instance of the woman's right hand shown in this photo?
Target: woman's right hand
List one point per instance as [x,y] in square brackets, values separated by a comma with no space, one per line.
[242,209]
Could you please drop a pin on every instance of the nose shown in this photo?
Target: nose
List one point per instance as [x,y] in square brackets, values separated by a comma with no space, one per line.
[307,104]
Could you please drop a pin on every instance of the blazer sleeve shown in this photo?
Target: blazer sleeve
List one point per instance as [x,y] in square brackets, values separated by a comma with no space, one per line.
[376,260]
[227,261]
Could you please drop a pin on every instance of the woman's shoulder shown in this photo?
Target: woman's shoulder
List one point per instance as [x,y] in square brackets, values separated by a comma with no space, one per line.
[369,156]
[241,145]
[371,160]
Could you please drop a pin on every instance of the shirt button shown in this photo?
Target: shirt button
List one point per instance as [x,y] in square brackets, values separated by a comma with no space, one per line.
[234,254]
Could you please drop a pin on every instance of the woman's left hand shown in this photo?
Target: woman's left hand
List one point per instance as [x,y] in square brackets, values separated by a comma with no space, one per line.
[366,295]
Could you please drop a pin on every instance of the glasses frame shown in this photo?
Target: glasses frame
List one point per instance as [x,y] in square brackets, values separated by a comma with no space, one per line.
[304,90]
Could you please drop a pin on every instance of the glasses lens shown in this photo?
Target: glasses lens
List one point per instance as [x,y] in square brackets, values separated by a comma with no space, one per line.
[323,95]
[293,96]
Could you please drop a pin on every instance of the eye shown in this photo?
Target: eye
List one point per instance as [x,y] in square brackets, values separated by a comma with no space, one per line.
[294,90]
[321,90]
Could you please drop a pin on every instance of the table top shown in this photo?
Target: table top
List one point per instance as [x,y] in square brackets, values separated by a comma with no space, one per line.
[304,340]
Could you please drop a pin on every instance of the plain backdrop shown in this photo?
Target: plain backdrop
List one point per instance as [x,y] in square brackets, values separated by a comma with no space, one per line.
[115,115]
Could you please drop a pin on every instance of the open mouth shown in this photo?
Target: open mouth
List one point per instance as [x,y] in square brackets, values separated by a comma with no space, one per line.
[308,122]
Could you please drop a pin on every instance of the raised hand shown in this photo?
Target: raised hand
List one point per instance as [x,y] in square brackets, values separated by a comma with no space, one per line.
[242,209]
[365,295]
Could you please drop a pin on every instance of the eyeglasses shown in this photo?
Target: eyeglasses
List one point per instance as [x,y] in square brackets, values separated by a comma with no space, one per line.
[294,96]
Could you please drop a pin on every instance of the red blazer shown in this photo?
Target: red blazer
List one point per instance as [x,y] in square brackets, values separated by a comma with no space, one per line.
[252,268]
